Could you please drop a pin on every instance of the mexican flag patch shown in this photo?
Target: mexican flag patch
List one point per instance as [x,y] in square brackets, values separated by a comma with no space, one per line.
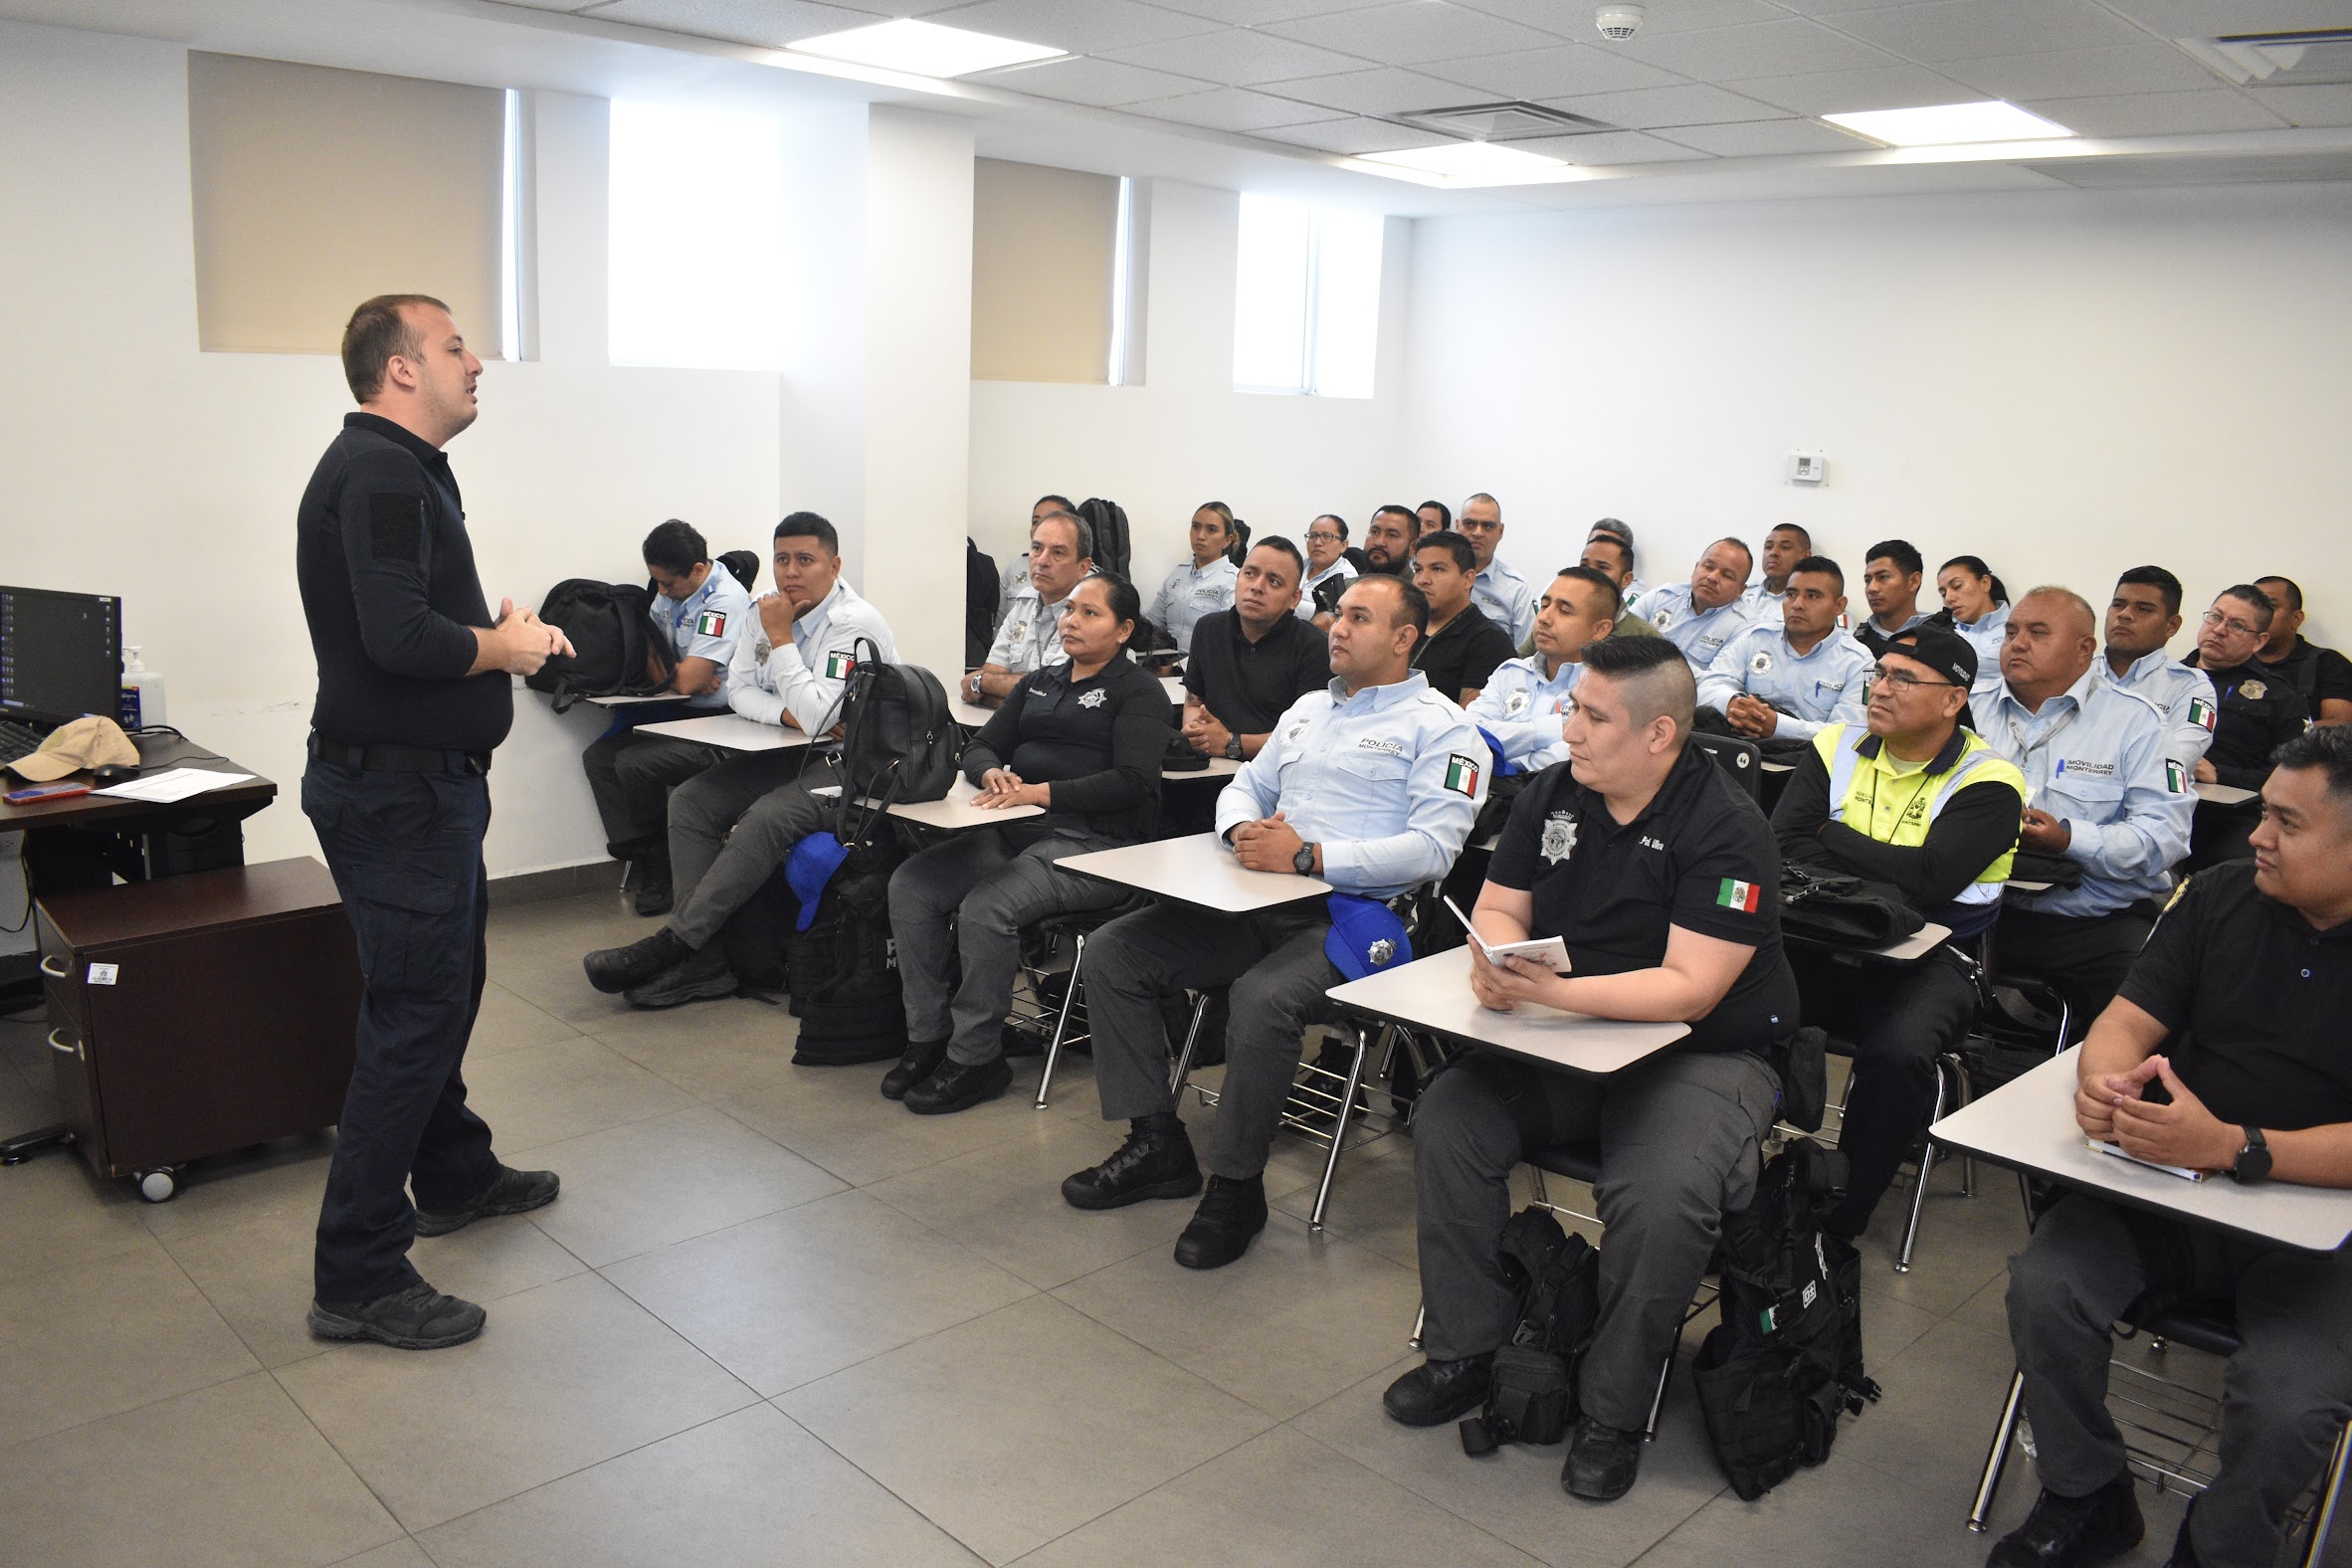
[2201,712]
[711,623]
[2176,777]
[1462,775]
[1742,895]
[838,666]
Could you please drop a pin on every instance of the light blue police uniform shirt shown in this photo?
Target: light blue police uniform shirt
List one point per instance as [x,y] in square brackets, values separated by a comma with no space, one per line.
[1701,634]
[1030,636]
[1762,604]
[1824,686]
[1506,600]
[1190,593]
[1984,637]
[805,674]
[1523,709]
[1387,781]
[1341,569]
[2181,692]
[707,624]
[2094,758]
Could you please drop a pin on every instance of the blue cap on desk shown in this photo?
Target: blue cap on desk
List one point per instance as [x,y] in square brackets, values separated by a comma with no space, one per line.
[809,866]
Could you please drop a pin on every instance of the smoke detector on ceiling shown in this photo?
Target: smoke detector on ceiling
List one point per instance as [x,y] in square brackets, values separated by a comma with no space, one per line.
[1619,22]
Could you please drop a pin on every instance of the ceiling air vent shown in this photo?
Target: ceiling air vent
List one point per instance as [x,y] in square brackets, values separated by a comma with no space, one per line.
[2278,60]
[1514,122]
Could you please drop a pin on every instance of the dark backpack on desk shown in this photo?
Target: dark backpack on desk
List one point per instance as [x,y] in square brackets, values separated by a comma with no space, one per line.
[898,741]
[1841,911]
[610,627]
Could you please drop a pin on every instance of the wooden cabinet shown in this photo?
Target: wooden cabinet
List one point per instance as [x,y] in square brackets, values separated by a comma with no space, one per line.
[199,1013]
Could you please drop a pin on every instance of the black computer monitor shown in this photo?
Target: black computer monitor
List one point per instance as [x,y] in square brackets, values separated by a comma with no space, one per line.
[60,655]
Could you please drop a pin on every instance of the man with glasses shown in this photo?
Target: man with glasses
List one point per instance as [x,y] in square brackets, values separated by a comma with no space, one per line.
[1912,800]
[2142,618]
[1328,570]
[1502,594]
[2257,714]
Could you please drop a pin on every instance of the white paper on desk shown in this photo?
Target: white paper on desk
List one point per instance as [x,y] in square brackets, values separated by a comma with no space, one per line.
[174,784]
[2116,1149]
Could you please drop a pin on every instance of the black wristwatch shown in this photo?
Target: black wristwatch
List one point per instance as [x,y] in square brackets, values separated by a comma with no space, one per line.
[1305,861]
[1233,747]
[2253,1160]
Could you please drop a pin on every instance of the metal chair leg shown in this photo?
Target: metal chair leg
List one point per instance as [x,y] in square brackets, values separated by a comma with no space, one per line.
[1347,1103]
[1420,1322]
[1045,1076]
[2331,1491]
[1963,1092]
[1182,1072]
[1996,1456]
[1902,1265]
[1657,1400]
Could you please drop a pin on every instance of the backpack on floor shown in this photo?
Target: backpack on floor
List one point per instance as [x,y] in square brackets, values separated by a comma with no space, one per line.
[1786,1358]
[898,741]
[844,968]
[612,630]
[1532,1397]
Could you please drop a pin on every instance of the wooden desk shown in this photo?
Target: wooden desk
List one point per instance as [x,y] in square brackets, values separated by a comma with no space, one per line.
[730,730]
[1196,871]
[157,754]
[2028,1124]
[1434,994]
[2224,794]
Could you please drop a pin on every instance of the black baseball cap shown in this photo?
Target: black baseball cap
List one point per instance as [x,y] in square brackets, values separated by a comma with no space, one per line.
[1945,652]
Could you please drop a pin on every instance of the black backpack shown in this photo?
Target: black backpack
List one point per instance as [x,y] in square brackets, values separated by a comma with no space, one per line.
[844,968]
[1109,525]
[610,627]
[980,596]
[1787,1357]
[1532,1397]
[898,740]
[743,566]
[1842,911]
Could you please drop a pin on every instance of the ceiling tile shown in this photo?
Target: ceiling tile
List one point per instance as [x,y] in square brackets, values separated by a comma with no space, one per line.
[1763,139]
[883,10]
[1574,18]
[1974,28]
[1232,108]
[1842,7]
[1604,149]
[1354,136]
[2311,106]
[1105,83]
[1414,33]
[2156,113]
[1386,90]
[550,5]
[1254,13]
[2214,18]
[2084,73]
[1762,49]
[1552,73]
[1649,108]
[1237,57]
[1076,26]
[772,24]
[1844,91]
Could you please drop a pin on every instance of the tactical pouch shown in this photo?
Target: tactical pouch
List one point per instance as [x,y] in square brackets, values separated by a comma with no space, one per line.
[1532,1401]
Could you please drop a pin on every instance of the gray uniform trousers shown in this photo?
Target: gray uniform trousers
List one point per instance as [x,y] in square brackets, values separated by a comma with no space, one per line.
[2284,1393]
[1678,1136]
[1276,965]
[763,798]
[991,890]
[631,775]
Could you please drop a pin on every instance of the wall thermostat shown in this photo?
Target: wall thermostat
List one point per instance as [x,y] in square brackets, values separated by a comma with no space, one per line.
[1808,467]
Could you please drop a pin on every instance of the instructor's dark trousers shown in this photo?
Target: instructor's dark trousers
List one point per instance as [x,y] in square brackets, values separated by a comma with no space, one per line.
[406,853]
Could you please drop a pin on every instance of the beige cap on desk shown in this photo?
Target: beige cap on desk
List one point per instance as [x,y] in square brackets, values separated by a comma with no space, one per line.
[84,743]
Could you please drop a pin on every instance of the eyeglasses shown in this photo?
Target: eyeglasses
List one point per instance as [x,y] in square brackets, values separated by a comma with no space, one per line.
[1902,680]
[2216,618]
[1325,537]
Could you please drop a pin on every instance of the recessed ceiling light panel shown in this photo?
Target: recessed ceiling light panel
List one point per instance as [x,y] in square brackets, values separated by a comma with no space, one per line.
[1466,164]
[1948,124]
[924,48]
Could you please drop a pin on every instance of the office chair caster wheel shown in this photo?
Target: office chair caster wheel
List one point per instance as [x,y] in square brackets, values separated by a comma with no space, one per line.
[157,1184]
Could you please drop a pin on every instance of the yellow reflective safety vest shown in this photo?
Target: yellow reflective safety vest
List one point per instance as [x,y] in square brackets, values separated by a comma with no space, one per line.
[1868,796]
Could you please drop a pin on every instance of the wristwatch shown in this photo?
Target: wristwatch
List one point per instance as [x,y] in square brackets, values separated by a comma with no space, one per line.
[2253,1160]
[1233,747]
[1304,863]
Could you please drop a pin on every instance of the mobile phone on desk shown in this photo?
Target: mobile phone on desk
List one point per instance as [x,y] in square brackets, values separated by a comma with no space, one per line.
[40,792]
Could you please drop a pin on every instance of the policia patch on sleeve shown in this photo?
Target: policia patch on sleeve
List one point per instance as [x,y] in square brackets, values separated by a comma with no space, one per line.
[1462,775]
[396,528]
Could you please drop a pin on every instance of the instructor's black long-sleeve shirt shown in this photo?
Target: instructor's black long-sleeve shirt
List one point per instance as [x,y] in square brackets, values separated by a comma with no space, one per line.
[390,592]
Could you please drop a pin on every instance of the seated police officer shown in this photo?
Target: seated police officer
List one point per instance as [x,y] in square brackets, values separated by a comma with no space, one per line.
[1630,587]
[1082,738]
[732,826]
[1434,515]
[1662,879]
[1327,566]
[2142,618]
[1916,801]
[1701,616]
[2321,676]
[701,611]
[2255,714]
[1370,785]
[1613,557]
[1785,544]
[1249,664]
[1463,646]
[2099,792]
[1786,677]
[1892,573]
[1060,553]
[1202,585]
[1501,595]
[1388,547]
[1016,575]
[2223,1052]
[1527,700]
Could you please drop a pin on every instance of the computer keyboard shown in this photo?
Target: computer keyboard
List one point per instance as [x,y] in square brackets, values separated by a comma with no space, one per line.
[16,741]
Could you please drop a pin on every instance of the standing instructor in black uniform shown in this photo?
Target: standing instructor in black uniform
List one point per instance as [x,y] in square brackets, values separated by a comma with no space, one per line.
[413,695]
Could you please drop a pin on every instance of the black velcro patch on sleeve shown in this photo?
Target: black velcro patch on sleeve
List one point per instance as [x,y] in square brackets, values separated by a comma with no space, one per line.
[396,528]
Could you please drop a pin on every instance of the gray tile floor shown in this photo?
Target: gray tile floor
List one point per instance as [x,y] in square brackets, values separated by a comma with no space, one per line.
[776,1319]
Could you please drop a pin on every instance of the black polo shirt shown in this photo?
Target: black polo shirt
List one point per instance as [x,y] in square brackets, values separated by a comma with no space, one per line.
[2256,1000]
[1700,856]
[1097,741]
[1248,686]
[1463,657]
[2317,674]
[2260,711]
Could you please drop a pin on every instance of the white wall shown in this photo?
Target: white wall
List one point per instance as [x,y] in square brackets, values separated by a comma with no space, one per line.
[2066,383]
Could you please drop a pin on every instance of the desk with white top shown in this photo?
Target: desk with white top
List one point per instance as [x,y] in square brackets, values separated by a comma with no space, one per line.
[1434,994]
[625,701]
[2224,794]
[2028,1124]
[1218,768]
[1174,686]
[1195,870]
[969,714]
[1911,949]
[956,813]
[731,732]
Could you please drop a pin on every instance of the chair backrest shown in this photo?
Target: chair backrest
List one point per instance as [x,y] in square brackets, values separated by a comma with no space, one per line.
[1743,760]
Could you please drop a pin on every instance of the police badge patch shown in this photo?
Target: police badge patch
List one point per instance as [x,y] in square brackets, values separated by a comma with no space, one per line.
[1559,837]
[2253,691]
[1094,699]
[1762,662]
[1660,619]
[1516,704]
